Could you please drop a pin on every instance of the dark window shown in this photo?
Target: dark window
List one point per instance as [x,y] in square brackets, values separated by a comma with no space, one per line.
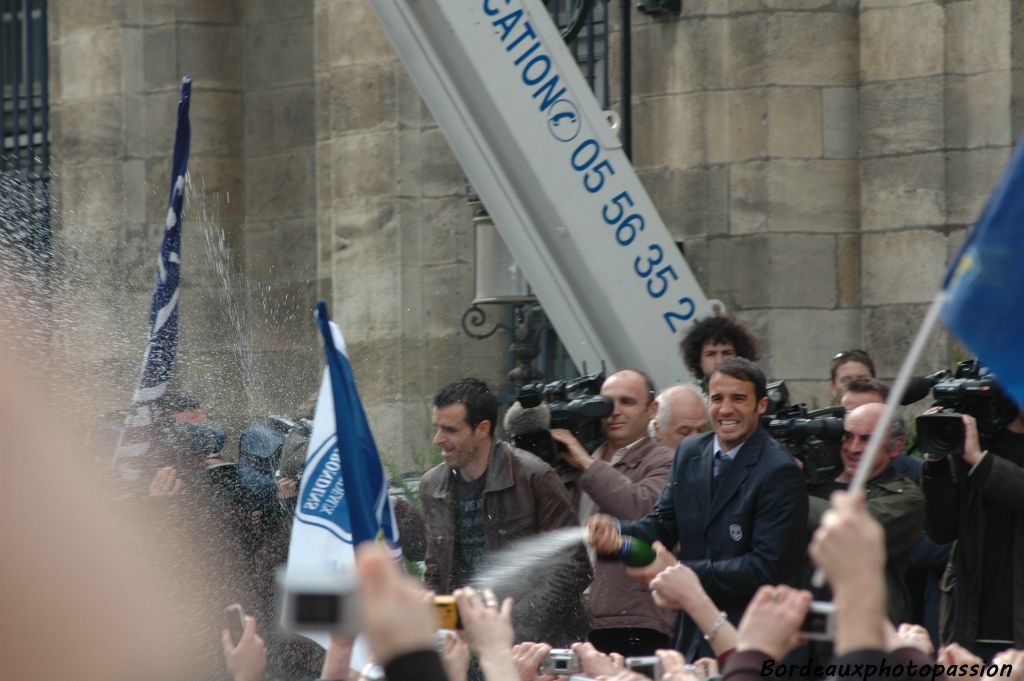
[25,127]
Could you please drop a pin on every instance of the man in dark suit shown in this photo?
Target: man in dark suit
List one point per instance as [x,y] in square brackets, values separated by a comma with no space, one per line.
[735,503]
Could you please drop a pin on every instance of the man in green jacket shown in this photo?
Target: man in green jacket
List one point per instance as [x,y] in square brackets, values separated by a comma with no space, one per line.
[894,501]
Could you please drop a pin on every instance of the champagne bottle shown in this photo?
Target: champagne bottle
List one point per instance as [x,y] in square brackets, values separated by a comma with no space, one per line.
[636,552]
[633,552]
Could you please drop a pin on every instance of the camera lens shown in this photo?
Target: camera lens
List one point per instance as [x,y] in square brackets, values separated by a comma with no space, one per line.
[947,436]
[940,433]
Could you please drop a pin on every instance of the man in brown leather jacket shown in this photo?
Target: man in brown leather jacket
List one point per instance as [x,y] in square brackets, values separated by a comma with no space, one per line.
[623,478]
[485,496]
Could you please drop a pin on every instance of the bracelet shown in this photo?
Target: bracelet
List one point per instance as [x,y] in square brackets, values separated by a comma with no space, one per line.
[719,621]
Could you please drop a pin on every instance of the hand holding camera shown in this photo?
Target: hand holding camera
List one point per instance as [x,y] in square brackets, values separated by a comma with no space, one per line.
[247,659]
[454,655]
[574,454]
[648,665]
[948,433]
[972,392]
[594,663]
[772,621]
[528,657]
[560,662]
[397,617]
[486,625]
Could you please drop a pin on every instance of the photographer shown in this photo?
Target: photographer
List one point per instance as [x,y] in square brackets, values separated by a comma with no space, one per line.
[977,499]
[623,478]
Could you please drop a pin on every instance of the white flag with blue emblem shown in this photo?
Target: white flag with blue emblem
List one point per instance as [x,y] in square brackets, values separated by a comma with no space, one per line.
[343,496]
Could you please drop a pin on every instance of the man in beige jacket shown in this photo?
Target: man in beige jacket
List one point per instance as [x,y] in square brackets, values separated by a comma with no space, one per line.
[623,477]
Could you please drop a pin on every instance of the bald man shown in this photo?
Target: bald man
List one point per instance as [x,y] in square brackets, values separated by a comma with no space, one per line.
[894,501]
[861,391]
[624,477]
[682,412]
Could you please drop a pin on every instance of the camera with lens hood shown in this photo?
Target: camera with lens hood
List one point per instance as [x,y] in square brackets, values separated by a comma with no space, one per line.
[972,390]
[575,405]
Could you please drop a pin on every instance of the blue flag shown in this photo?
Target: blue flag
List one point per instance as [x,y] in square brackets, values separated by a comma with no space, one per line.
[985,283]
[343,489]
[162,344]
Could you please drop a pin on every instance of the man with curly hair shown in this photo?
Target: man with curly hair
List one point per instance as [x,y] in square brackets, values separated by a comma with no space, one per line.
[712,340]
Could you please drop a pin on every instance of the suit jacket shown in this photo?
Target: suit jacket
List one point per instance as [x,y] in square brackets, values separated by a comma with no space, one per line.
[749,534]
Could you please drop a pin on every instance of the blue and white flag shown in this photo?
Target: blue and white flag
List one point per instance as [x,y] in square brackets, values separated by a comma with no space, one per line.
[985,283]
[162,343]
[343,496]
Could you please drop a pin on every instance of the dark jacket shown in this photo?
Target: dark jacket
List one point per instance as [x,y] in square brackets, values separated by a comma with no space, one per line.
[954,511]
[522,497]
[420,665]
[749,534]
[627,490]
[898,506]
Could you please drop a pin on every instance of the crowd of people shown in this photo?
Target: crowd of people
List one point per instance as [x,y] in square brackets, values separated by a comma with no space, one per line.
[921,565]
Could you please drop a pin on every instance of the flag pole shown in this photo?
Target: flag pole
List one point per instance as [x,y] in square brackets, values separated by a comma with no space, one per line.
[867,461]
[896,394]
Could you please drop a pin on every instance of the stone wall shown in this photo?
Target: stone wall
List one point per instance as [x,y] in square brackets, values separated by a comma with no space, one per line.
[935,114]
[396,231]
[317,173]
[115,72]
[820,160]
[247,344]
[748,140]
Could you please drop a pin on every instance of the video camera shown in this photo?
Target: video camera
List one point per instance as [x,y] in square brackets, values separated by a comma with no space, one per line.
[813,437]
[575,405]
[267,449]
[972,390]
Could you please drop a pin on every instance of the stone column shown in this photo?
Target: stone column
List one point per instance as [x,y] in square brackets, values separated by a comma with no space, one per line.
[903,196]
[745,130]
[281,279]
[395,232]
[935,108]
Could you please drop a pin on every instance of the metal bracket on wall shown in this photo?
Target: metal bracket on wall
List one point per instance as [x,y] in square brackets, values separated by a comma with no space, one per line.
[476,318]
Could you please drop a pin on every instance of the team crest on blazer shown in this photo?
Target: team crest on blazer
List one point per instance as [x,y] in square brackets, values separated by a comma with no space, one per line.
[735,532]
